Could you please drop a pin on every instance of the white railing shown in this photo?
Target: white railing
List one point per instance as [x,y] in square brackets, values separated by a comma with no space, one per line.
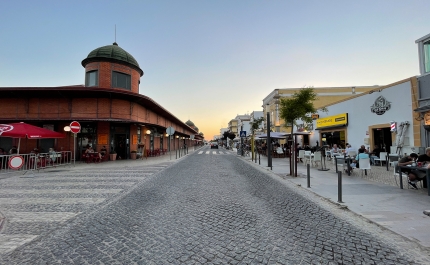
[34,161]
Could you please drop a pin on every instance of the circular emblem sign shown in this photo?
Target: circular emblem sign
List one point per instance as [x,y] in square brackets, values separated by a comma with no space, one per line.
[16,162]
[5,128]
[75,127]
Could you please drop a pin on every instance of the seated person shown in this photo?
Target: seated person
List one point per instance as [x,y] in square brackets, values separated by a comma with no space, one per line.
[364,148]
[103,151]
[52,154]
[13,150]
[2,152]
[413,175]
[374,154]
[89,150]
[425,158]
[361,155]
[348,148]
[335,149]
[279,150]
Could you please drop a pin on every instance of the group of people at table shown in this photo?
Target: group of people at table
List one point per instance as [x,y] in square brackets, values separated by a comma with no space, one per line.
[356,156]
[411,160]
[90,153]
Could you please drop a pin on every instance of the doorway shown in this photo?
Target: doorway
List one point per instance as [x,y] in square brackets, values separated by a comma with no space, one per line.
[382,138]
[120,145]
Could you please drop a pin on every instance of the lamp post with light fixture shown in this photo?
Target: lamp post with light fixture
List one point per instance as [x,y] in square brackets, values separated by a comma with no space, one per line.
[177,137]
[67,129]
[147,132]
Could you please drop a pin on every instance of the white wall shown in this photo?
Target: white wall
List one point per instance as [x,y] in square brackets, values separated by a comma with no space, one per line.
[360,116]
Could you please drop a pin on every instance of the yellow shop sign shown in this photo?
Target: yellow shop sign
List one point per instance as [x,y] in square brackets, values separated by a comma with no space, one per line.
[335,120]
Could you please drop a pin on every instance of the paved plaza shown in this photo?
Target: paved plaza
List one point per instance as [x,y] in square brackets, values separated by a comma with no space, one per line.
[205,208]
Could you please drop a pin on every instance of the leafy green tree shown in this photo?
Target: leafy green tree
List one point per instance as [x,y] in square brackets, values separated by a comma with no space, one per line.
[256,124]
[299,106]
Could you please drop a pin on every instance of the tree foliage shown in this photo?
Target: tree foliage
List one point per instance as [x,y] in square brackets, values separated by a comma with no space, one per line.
[299,106]
[228,135]
[256,124]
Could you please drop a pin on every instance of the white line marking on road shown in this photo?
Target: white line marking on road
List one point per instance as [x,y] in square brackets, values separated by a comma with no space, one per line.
[200,152]
[213,152]
[207,152]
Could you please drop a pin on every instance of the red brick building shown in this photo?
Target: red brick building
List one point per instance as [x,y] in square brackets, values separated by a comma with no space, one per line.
[109,108]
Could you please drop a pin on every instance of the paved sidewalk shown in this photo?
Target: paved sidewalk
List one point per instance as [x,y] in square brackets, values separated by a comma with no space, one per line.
[400,211]
[35,203]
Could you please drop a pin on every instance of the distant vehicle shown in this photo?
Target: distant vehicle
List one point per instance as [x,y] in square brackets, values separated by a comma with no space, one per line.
[214,145]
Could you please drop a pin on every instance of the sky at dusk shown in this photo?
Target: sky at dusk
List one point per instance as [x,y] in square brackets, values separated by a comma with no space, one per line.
[208,61]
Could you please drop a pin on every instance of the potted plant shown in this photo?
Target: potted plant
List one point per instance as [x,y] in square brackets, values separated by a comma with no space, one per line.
[112,155]
[133,154]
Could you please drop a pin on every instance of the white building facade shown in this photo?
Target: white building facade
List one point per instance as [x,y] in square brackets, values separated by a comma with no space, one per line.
[367,119]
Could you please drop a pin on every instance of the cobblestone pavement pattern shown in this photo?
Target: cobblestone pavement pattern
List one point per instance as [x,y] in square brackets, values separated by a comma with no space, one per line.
[213,209]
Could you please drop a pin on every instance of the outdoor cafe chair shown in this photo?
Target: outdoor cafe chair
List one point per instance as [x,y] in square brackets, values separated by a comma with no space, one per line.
[301,155]
[307,157]
[382,158]
[340,162]
[364,164]
[316,158]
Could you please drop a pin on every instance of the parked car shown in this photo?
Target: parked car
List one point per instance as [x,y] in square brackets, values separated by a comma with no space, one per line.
[214,145]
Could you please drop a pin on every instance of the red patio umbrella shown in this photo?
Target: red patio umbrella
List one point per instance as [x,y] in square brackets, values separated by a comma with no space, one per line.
[22,130]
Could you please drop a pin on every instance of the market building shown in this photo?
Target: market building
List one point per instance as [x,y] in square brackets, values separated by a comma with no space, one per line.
[109,108]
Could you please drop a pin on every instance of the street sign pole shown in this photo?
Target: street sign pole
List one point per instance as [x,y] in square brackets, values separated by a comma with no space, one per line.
[170,131]
[75,127]
[74,149]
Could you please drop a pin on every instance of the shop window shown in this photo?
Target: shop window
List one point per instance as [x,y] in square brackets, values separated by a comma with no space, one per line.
[91,78]
[121,80]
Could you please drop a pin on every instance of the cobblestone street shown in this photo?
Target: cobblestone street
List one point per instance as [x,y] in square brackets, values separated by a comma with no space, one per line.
[205,209]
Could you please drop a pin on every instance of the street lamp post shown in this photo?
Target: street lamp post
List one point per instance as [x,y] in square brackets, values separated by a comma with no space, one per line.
[177,137]
[67,129]
[269,142]
[148,132]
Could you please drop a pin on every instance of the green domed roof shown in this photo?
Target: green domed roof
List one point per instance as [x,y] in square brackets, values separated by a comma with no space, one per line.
[189,123]
[112,53]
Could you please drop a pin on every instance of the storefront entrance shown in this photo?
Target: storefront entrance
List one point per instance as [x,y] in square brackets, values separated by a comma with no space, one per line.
[330,138]
[121,146]
[120,140]
[382,138]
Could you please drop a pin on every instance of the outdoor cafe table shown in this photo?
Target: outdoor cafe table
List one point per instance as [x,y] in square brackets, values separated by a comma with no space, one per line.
[423,169]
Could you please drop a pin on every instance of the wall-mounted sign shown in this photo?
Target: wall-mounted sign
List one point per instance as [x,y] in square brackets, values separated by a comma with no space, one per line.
[315,116]
[331,121]
[427,118]
[102,138]
[305,127]
[380,106]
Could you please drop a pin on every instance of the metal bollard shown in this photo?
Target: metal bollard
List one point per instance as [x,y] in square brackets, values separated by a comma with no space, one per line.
[348,164]
[335,161]
[339,186]
[176,153]
[308,167]
[259,161]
